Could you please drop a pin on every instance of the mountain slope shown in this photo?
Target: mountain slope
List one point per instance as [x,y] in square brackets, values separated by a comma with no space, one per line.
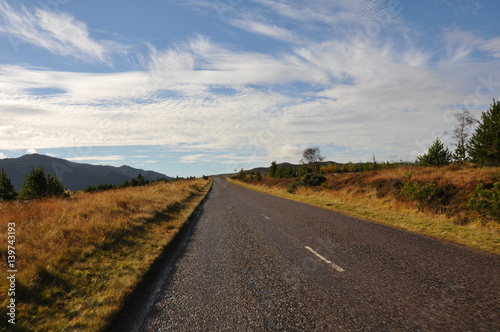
[74,176]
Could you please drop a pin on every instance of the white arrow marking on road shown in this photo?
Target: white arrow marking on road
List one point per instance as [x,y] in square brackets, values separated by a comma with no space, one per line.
[335,266]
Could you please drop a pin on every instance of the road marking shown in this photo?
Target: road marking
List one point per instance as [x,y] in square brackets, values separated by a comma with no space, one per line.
[265,216]
[335,266]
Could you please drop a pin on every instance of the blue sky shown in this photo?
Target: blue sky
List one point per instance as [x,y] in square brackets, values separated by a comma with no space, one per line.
[203,87]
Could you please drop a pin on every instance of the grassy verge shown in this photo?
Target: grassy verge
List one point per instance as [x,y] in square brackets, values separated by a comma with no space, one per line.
[368,205]
[78,258]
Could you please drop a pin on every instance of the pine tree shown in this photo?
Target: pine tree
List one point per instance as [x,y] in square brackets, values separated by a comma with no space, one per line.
[7,191]
[460,154]
[273,169]
[54,187]
[258,176]
[437,155]
[35,185]
[484,145]
[241,175]
[39,185]
[141,180]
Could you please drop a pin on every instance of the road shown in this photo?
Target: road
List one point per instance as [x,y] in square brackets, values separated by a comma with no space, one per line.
[255,262]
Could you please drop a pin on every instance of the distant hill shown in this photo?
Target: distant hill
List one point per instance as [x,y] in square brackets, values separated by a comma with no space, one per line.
[74,176]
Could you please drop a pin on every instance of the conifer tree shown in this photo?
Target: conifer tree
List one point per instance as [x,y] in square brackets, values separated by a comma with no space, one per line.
[437,155]
[7,191]
[273,169]
[54,187]
[38,185]
[484,145]
[35,184]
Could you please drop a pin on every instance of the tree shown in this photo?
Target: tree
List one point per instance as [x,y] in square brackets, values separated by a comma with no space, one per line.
[312,157]
[141,180]
[35,184]
[7,191]
[273,169]
[437,155]
[484,145]
[39,185]
[461,134]
[258,176]
[54,187]
[241,175]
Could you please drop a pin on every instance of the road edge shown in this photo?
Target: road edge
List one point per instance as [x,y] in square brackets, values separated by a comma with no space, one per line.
[138,301]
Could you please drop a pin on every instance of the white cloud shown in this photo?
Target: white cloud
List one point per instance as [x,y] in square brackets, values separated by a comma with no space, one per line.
[201,62]
[58,32]
[194,158]
[491,46]
[264,29]
[460,44]
[31,151]
[3,155]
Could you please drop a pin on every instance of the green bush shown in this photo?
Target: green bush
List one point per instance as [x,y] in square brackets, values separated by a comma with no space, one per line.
[313,180]
[415,191]
[292,187]
[486,202]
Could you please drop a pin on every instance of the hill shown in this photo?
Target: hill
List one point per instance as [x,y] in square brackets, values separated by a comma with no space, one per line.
[74,176]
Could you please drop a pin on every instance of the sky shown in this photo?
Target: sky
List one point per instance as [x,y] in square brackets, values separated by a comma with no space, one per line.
[193,87]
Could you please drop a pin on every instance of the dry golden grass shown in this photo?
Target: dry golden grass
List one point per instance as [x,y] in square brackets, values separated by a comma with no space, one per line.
[357,194]
[77,258]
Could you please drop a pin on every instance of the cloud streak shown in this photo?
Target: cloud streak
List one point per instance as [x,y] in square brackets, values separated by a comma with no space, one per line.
[57,32]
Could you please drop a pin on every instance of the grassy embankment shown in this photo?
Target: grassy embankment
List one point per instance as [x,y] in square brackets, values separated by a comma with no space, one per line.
[386,196]
[78,258]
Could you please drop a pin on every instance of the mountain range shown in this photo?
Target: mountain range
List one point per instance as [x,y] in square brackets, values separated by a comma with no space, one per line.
[74,176]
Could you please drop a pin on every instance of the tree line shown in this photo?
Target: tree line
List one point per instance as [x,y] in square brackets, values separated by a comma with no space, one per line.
[41,184]
[134,182]
[37,184]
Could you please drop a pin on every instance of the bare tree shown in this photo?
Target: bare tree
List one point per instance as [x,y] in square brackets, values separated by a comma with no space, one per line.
[313,157]
[461,133]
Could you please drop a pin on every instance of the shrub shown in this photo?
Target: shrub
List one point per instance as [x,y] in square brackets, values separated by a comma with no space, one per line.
[415,191]
[313,180]
[292,187]
[486,202]
[258,176]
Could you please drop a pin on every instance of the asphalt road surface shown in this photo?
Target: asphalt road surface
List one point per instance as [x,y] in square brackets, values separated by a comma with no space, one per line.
[255,262]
